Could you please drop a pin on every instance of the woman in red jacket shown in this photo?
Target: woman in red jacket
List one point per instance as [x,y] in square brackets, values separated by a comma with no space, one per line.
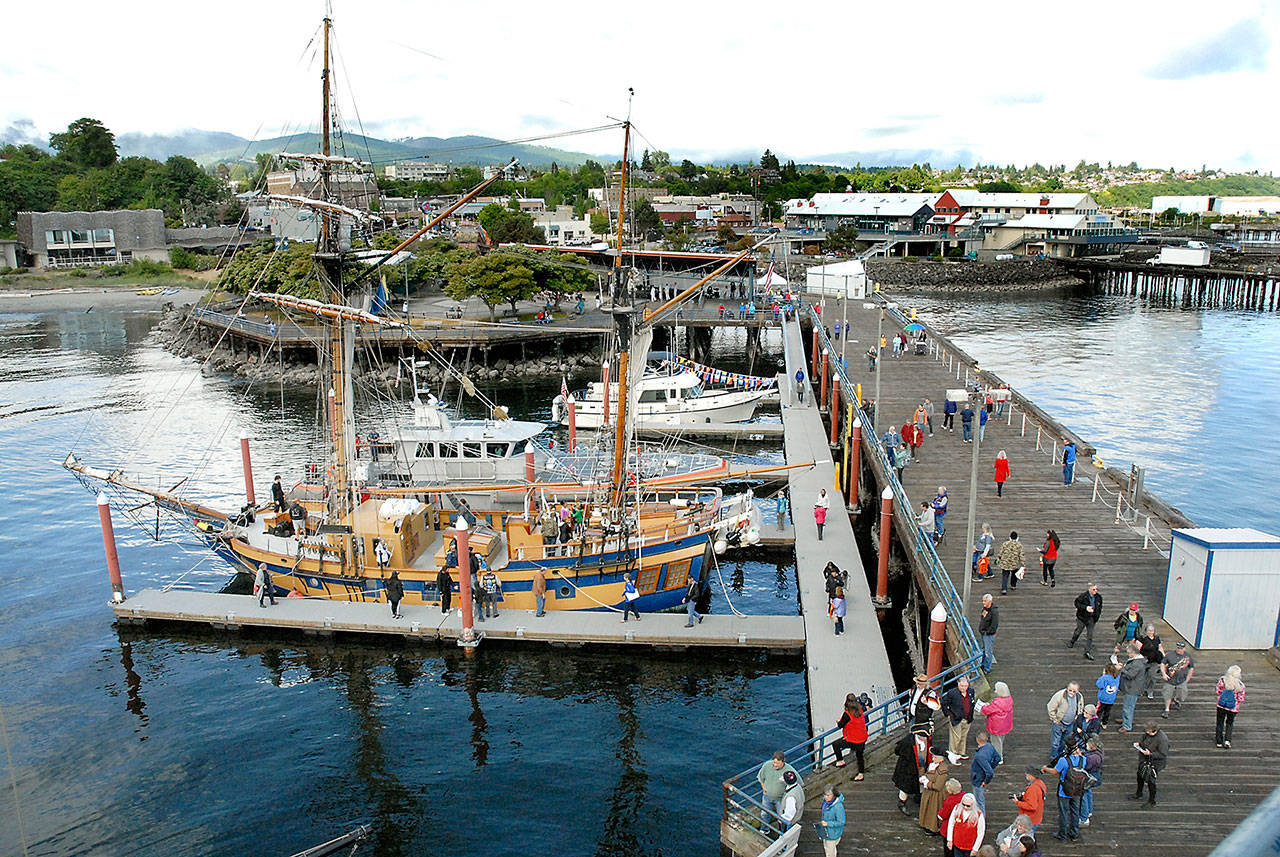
[853,734]
[966,827]
[1002,472]
[1049,558]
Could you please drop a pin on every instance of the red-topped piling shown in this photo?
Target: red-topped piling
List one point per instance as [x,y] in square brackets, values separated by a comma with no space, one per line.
[109,545]
[248,469]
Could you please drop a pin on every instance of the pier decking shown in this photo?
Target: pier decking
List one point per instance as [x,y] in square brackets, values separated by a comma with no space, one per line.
[856,661]
[427,623]
[1205,791]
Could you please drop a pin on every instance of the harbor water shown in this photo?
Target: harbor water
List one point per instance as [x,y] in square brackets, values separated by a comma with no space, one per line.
[156,744]
[207,744]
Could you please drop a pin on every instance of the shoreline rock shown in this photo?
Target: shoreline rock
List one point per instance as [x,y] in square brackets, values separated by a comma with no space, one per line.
[972,277]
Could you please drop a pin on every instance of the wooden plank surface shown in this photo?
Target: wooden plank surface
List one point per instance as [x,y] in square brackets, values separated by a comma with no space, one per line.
[426,622]
[856,660]
[1205,792]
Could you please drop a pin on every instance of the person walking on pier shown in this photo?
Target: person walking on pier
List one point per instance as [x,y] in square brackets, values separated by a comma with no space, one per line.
[965,828]
[999,714]
[982,550]
[1176,670]
[949,415]
[1048,559]
[1071,788]
[820,507]
[1128,626]
[988,624]
[983,415]
[853,734]
[921,418]
[1068,461]
[691,593]
[444,584]
[833,820]
[1108,685]
[1133,676]
[928,414]
[928,521]
[539,588]
[1065,708]
[800,386]
[1230,690]
[262,585]
[966,423]
[772,785]
[1153,755]
[1153,651]
[933,782]
[940,503]
[838,610]
[395,594]
[1002,472]
[1031,802]
[492,592]
[958,704]
[912,751]
[1088,608]
[1011,560]
[780,507]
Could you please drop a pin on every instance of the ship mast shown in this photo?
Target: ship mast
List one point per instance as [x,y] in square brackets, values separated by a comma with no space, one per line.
[329,267]
[623,322]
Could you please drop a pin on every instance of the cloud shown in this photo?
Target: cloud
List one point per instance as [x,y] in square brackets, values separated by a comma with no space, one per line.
[1242,47]
[1013,99]
[22,130]
[890,130]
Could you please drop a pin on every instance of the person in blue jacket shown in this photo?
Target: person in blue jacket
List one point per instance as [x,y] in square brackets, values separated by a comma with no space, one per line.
[949,415]
[982,423]
[831,828]
[1068,462]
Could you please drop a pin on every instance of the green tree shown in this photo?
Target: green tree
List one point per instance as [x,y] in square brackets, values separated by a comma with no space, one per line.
[646,220]
[506,226]
[85,144]
[494,279]
[999,187]
[385,241]
[600,223]
[688,169]
[661,160]
[842,238]
[646,163]
[725,234]
[769,161]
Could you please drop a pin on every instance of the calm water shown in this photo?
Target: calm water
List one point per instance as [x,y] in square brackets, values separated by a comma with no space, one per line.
[200,744]
[1194,396]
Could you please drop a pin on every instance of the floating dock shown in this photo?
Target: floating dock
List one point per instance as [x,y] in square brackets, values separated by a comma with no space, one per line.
[318,616]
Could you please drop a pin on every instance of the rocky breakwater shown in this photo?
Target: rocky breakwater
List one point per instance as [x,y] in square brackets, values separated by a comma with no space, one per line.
[180,336]
[969,276]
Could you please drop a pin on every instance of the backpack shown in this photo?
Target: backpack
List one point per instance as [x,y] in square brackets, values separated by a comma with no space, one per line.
[1227,699]
[1077,781]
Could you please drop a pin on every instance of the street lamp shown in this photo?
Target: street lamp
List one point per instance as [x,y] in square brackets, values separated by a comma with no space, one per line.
[887,305]
[973,492]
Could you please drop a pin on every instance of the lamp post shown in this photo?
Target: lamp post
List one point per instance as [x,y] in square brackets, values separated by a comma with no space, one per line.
[887,305]
[973,496]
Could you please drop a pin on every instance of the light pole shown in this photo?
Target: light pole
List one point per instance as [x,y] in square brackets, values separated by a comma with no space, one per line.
[973,495]
[886,305]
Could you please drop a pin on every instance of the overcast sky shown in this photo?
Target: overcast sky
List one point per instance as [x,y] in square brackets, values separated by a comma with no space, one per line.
[1162,83]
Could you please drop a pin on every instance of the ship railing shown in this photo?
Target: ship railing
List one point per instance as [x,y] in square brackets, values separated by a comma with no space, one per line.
[920,543]
[742,793]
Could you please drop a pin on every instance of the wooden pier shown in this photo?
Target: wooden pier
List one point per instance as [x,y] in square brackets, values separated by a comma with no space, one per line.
[425,623]
[1183,285]
[856,661]
[1205,791]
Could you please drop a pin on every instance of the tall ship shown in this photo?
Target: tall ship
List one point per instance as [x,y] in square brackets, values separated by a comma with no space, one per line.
[348,527]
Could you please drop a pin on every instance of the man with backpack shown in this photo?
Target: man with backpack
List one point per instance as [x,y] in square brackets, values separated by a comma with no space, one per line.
[1073,781]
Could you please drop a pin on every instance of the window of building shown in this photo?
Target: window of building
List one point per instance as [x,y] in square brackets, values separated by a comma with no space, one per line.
[55,236]
[104,236]
[80,236]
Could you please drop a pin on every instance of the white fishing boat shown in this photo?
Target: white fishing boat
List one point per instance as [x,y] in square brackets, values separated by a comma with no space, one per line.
[671,397]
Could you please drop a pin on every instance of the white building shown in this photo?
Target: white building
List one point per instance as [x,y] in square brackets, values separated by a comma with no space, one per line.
[868,212]
[1057,235]
[1247,206]
[417,171]
[564,229]
[1182,204]
[994,206]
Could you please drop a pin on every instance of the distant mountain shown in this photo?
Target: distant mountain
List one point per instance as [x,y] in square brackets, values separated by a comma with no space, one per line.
[208,147]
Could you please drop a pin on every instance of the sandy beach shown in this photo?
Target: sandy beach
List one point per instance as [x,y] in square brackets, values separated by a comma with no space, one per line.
[90,298]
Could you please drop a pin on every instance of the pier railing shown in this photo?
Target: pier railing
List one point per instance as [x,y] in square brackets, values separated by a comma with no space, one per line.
[920,543]
[743,805]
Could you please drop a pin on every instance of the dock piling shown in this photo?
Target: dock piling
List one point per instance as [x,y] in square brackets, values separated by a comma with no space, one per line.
[573,425]
[604,391]
[530,472]
[937,641]
[248,468]
[462,542]
[855,463]
[881,601]
[109,545]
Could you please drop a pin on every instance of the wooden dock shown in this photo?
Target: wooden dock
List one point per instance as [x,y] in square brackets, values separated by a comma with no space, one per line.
[315,616]
[856,661]
[1205,792]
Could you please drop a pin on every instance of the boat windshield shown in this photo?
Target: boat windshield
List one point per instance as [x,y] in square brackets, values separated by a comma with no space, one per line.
[693,392]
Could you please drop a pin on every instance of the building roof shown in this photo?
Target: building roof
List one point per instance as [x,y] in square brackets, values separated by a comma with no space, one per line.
[970,198]
[1047,221]
[851,268]
[862,204]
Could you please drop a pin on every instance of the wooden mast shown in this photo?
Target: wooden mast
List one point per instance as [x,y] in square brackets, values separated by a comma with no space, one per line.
[623,322]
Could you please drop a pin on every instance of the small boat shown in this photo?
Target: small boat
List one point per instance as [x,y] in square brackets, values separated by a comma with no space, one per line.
[149,292]
[668,396]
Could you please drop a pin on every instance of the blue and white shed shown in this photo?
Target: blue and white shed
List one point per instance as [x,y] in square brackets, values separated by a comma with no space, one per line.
[1223,588]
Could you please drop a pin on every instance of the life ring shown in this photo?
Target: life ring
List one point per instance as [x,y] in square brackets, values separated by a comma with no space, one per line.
[557,409]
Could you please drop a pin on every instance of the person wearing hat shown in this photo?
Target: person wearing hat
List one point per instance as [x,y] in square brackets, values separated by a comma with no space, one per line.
[965,828]
[913,755]
[924,702]
[792,798]
[1128,626]
[1176,670]
[1031,802]
[933,779]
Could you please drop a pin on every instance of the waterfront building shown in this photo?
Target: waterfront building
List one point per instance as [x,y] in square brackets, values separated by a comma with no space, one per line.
[1227,206]
[867,212]
[564,229]
[1057,235]
[75,239]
